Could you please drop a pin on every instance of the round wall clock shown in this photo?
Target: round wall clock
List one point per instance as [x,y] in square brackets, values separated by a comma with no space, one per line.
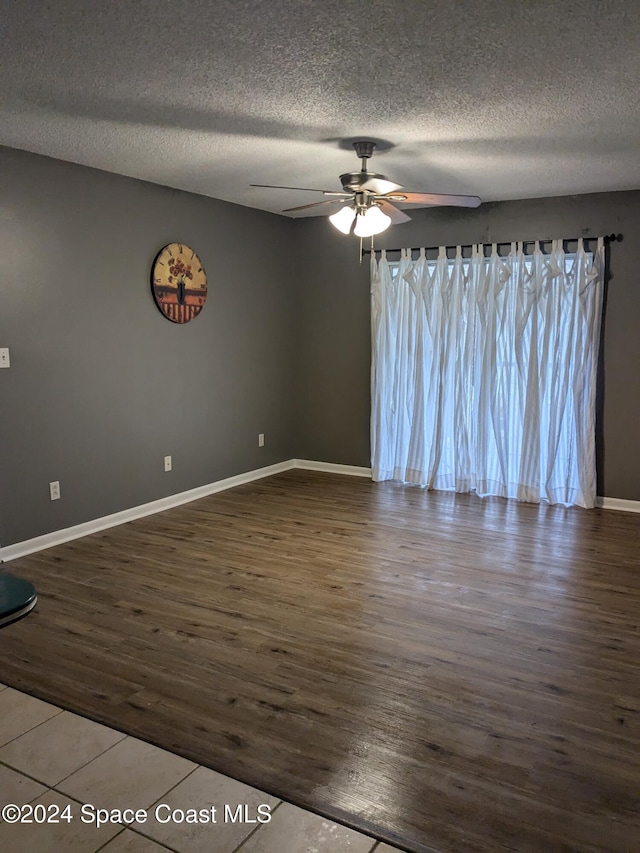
[179,283]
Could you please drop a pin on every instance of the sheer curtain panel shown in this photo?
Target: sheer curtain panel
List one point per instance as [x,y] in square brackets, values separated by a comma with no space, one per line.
[484,371]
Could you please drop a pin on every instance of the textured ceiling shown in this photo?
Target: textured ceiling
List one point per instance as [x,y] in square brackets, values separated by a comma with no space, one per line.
[498,98]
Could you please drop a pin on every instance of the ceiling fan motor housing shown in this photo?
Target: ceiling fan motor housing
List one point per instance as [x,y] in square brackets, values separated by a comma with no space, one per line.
[352,181]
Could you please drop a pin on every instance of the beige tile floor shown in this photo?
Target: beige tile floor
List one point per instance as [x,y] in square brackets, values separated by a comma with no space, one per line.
[61,768]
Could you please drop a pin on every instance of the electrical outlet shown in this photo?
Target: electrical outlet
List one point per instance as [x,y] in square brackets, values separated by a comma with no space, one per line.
[54,490]
[167,463]
[4,357]
[261,440]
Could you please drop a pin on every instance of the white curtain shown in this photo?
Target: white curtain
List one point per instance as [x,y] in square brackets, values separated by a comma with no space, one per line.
[484,372]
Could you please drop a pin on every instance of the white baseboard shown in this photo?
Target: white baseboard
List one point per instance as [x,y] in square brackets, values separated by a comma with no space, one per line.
[619,504]
[57,537]
[331,468]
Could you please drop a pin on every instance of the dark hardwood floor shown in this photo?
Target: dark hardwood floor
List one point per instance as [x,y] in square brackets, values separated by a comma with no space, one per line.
[443,672]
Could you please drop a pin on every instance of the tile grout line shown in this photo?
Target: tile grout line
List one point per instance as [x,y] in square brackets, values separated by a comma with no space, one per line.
[165,846]
[131,827]
[179,782]
[113,838]
[238,849]
[154,840]
[104,751]
[3,763]
[81,802]
[37,726]
[123,826]
[142,835]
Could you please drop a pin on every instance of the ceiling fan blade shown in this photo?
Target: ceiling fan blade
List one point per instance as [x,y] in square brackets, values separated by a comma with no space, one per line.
[302,189]
[396,216]
[380,186]
[439,199]
[313,204]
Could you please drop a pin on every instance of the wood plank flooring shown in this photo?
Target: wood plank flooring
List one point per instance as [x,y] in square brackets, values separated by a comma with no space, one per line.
[443,672]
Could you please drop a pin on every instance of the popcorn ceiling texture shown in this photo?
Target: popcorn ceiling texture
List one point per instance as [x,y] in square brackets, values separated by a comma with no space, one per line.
[499,98]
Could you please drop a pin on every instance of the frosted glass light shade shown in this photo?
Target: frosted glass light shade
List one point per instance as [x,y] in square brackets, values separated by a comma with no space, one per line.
[373,221]
[343,219]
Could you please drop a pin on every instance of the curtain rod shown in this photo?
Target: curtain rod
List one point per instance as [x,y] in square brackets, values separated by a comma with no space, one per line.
[609,238]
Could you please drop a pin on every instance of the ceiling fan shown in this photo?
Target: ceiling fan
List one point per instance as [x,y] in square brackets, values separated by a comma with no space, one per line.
[367,197]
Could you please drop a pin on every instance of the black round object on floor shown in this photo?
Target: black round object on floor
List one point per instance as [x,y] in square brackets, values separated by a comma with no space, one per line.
[17,598]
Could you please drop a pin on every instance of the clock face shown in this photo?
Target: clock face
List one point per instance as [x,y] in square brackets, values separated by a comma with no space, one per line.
[179,283]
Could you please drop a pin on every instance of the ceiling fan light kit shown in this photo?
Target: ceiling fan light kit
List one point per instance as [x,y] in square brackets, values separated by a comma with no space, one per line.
[370,195]
[361,221]
[370,222]
[343,219]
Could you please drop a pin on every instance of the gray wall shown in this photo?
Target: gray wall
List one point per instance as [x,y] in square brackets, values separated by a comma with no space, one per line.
[101,386]
[334,326]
